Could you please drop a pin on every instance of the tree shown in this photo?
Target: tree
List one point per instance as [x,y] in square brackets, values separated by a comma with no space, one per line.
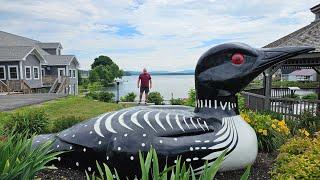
[101,60]
[104,70]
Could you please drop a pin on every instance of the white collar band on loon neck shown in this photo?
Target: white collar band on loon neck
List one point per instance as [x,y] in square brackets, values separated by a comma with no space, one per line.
[215,104]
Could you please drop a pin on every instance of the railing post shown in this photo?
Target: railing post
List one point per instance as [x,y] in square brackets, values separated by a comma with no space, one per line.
[267,84]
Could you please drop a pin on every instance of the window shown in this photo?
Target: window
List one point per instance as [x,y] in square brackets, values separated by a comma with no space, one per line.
[35,72]
[2,73]
[27,71]
[74,73]
[70,72]
[43,72]
[13,72]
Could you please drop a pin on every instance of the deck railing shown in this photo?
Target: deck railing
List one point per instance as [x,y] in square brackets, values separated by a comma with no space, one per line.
[4,87]
[49,80]
[288,107]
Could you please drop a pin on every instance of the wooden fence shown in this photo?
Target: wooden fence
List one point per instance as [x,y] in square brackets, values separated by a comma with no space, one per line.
[277,92]
[289,108]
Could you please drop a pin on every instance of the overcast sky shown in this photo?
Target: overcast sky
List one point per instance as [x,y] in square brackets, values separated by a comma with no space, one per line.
[158,34]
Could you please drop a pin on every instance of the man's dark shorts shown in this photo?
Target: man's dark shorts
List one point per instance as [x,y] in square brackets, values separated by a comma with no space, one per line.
[144,89]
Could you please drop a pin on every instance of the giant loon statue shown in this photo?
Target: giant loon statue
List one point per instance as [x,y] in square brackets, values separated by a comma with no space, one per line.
[198,135]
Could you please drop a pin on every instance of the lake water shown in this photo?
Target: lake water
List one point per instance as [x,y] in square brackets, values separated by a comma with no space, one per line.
[167,85]
[178,85]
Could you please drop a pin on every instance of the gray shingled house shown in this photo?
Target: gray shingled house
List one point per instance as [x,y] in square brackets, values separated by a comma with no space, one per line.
[28,65]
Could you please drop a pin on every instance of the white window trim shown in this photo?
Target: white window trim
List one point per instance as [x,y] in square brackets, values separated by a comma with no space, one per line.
[36,67]
[5,72]
[25,72]
[9,74]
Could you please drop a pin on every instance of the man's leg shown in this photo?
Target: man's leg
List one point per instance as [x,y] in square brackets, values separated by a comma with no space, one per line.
[140,97]
[146,96]
[146,101]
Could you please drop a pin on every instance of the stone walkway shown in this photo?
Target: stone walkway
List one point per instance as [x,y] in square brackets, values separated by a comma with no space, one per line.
[10,102]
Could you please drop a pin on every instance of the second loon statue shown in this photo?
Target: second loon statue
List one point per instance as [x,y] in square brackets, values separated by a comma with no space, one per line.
[197,135]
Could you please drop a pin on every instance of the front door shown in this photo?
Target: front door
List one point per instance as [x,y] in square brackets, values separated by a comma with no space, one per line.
[61,73]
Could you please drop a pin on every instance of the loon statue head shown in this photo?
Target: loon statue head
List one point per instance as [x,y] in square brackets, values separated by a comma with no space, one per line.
[226,69]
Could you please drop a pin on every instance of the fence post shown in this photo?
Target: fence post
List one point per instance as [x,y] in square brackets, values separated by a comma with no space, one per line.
[267,84]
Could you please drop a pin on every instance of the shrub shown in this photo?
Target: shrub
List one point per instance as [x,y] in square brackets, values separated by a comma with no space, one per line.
[130,97]
[150,167]
[31,120]
[312,96]
[155,97]
[191,100]
[241,102]
[271,133]
[101,96]
[106,96]
[299,158]
[19,160]
[177,101]
[64,123]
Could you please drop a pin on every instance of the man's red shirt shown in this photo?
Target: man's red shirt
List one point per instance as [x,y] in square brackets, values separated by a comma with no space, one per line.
[145,78]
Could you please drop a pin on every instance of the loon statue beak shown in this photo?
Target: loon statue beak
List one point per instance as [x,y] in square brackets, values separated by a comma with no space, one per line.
[272,56]
[226,69]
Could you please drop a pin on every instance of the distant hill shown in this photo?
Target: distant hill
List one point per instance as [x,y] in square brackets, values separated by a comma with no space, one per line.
[183,72]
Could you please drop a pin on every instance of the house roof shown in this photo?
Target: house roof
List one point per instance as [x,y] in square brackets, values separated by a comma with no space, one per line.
[60,59]
[287,70]
[303,72]
[13,44]
[315,9]
[17,53]
[306,36]
[50,45]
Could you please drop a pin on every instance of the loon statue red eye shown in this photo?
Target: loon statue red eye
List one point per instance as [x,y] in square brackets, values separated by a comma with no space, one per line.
[237,58]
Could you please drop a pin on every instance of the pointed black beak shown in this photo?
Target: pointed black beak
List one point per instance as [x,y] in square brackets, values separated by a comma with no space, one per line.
[272,56]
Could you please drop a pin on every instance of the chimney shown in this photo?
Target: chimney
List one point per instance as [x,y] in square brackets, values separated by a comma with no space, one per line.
[316,10]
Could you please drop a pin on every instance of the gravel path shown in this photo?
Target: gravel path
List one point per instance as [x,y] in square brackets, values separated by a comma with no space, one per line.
[259,171]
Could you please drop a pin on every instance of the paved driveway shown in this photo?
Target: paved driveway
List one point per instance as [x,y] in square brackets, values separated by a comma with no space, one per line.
[9,102]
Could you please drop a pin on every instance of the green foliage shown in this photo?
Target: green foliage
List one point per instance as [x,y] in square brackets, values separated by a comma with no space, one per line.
[306,122]
[285,84]
[104,70]
[312,96]
[299,158]
[33,120]
[130,97]
[18,160]
[63,123]
[150,169]
[96,86]
[271,133]
[101,60]
[155,97]
[191,100]
[101,96]
[241,102]
[177,101]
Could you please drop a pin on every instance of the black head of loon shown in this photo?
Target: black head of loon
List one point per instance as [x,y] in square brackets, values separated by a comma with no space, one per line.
[226,69]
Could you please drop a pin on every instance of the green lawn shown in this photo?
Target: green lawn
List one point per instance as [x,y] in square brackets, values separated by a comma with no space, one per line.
[81,107]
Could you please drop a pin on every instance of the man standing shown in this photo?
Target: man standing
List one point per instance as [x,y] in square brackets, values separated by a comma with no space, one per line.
[144,83]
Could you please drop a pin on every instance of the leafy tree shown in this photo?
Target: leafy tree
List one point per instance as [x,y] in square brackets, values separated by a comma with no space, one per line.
[102,60]
[104,70]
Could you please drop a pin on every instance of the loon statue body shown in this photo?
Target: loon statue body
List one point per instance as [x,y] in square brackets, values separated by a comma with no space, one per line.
[197,135]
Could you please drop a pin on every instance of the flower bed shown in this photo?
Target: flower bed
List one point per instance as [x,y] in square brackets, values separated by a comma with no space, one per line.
[271,133]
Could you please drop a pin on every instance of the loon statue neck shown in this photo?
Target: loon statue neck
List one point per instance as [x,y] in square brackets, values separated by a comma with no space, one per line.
[212,103]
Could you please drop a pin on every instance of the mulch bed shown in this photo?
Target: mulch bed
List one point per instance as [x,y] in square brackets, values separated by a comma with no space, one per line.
[259,171]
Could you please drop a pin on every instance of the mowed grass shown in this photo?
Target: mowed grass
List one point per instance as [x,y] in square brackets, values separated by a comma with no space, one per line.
[80,107]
